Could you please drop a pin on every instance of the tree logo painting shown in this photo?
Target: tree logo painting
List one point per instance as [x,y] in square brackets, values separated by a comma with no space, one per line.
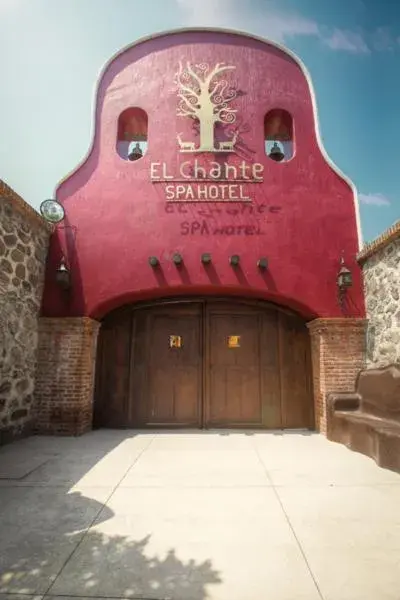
[206,97]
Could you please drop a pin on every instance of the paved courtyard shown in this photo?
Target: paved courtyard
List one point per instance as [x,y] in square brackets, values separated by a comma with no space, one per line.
[196,515]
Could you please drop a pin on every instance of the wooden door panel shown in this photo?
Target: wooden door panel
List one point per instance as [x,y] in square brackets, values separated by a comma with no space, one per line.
[234,372]
[175,373]
[161,397]
[235,396]
[173,398]
[270,371]
[112,397]
[137,400]
[297,404]
[187,395]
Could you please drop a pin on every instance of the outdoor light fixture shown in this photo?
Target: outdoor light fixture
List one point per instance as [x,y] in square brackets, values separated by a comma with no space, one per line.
[276,153]
[206,258]
[234,260]
[153,261]
[63,276]
[177,259]
[262,263]
[344,281]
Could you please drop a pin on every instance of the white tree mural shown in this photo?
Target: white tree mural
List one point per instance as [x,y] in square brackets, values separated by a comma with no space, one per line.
[204,96]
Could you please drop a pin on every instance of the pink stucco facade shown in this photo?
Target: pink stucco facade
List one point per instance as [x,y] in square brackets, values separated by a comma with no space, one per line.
[301,216]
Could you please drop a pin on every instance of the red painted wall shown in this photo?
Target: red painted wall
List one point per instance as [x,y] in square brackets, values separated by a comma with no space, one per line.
[301,217]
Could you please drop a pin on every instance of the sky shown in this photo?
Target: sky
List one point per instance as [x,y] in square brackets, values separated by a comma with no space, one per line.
[51,53]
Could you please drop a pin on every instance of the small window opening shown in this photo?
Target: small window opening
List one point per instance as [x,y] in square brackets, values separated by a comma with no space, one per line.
[278,135]
[132,134]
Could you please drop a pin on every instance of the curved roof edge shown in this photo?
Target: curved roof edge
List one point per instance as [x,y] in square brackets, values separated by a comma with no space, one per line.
[237,32]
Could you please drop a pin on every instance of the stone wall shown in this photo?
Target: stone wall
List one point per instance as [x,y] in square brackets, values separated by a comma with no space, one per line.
[24,238]
[380,261]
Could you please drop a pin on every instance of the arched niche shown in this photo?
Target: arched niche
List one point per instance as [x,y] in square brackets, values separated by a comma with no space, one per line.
[132,136]
[278,135]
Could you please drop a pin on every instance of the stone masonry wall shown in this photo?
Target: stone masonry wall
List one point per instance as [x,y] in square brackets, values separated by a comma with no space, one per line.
[381,268]
[24,238]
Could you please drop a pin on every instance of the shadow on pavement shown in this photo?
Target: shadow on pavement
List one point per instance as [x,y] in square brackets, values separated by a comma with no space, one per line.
[51,549]
[49,541]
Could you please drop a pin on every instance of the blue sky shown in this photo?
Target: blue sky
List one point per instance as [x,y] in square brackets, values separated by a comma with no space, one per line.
[51,52]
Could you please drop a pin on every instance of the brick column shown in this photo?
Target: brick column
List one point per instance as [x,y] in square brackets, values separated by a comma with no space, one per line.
[338,355]
[65,375]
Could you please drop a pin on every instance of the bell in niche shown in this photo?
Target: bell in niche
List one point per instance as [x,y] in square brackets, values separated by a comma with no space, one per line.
[135,153]
[276,153]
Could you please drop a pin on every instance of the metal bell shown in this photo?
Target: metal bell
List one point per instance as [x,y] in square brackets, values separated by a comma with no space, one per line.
[276,153]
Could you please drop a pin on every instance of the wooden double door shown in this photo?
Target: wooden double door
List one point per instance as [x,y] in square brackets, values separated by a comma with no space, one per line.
[203,364]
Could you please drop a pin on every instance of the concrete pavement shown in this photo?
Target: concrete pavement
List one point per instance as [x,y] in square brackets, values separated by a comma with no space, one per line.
[196,516]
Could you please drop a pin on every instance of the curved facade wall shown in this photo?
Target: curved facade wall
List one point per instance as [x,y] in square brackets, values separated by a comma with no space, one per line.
[203,183]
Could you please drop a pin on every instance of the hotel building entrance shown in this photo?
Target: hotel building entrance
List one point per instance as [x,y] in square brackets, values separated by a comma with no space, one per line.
[205,363]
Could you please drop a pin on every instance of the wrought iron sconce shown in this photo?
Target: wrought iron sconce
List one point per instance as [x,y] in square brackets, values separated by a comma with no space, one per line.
[234,260]
[262,263]
[206,258]
[177,259]
[154,262]
[63,275]
[344,281]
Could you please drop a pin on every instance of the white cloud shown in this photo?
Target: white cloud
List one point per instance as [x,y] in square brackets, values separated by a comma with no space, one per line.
[281,26]
[272,23]
[8,5]
[349,41]
[374,199]
[205,12]
[383,40]
[276,24]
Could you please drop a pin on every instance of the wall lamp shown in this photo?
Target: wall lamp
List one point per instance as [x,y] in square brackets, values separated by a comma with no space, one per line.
[63,275]
[262,263]
[153,261]
[234,260]
[206,258]
[177,259]
[344,281]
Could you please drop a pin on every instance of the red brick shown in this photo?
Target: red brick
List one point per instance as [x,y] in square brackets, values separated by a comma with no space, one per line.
[338,355]
[65,375]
